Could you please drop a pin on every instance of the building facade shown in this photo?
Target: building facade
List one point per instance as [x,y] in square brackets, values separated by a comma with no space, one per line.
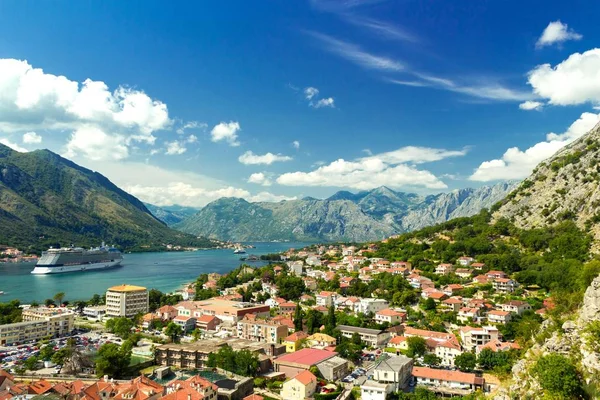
[126,301]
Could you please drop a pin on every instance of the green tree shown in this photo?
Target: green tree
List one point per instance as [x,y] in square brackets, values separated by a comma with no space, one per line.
[417,346]
[31,363]
[113,360]
[331,322]
[298,315]
[59,297]
[173,331]
[314,320]
[431,360]
[558,376]
[120,326]
[466,362]
[290,287]
[46,353]
[428,304]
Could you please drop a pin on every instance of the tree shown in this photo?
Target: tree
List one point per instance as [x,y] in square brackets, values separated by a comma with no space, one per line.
[46,353]
[417,346]
[49,302]
[356,339]
[113,360]
[96,300]
[59,297]
[466,362]
[314,320]
[173,331]
[331,320]
[298,317]
[31,363]
[120,326]
[428,304]
[431,360]
[80,305]
[558,376]
[290,287]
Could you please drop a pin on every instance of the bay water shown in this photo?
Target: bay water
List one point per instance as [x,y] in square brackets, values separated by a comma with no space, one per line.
[166,271]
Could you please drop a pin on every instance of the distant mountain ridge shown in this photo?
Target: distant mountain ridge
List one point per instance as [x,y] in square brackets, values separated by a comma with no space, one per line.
[345,216]
[171,215]
[47,200]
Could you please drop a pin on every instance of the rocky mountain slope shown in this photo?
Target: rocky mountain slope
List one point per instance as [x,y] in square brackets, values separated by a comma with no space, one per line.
[345,216]
[171,215]
[48,200]
[564,187]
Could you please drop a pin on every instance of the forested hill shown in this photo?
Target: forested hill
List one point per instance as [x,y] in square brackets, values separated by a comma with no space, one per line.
[556,258]
[47,200]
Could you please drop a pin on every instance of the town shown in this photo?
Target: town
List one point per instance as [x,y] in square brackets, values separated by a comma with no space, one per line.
[324,322]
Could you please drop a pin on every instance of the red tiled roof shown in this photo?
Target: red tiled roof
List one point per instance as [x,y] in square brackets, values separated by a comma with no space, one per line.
[39,387]
[253,397]
[305,377]
[306,357]
[391,313]
[448,376]
[296,336]
[206,318]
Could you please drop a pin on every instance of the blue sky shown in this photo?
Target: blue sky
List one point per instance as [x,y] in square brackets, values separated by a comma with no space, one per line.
[268,100]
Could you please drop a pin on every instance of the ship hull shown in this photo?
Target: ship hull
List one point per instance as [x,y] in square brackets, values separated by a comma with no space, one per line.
[63,269]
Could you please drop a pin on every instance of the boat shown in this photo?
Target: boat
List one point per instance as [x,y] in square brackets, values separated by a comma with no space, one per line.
[1,292]
[239,250]
[77,259]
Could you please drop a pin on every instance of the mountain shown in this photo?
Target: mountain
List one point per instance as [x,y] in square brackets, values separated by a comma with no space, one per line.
[345,216]
[564,187]
[48,200]
[171,215]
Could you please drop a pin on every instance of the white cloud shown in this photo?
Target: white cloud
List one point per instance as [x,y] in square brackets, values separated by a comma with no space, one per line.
[574,81]
[557,32]
[387,169]
[13,146]
[192,139]
[227,131]
[191,125]
[31,138]
[260,179]
[31,99]
[518,164]
[381,28]
[93,143]
[310,92]
[328,102]
[296,144]
[249,158]
[269,197]
[175,148]
[355,54]
[531,105]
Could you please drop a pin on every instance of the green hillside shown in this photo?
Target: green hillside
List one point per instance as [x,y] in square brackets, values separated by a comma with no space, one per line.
[47,200]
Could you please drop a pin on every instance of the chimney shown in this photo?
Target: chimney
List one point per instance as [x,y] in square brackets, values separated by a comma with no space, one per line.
[189,397]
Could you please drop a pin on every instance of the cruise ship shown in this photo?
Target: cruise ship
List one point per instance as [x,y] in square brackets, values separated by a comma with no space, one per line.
[76,259]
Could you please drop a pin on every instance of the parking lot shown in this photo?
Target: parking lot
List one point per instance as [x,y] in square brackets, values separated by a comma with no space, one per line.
[87,342]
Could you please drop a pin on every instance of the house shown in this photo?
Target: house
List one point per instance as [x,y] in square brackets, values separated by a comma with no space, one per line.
[194,388]
[437,295]
[261,330]
[472,337]
[326,299]
[420,282]
[306,298]
[349,303]
[504,285]
[447,382]
[390,316]
[274,302]
[334,368]
[452,289]
[372,390]
[293,341]
[287,308]
[278,269]
[372,337]
[442,344]
[320,340]
[300,387]
[166,313]
[498,317]
[453,304]
[466,314]
[394,370]
[516,307]
[481,280]
[367,306]
[496,274]
[464,273]
[496,346]
[310,283]
[187,324]
[313,260]
[293,363]
[465,261]
[295,267]
[254,396]
[208,323]
[444,269]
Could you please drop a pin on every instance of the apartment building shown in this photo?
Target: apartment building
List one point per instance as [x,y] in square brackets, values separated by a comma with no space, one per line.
[472,337]
[126,301]
[447,382]
[372,305]
[504,285]
[373,337]
[225,310]
[326,299]
[390,316]
[516,306]
[261,330]
[38,323]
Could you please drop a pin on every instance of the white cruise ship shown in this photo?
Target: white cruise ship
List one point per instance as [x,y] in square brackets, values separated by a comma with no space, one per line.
[76,259]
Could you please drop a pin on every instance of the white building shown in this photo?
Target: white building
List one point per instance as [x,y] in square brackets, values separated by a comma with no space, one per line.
[372,390]
[95,312]
[372,305]
[295,267]
[126,301]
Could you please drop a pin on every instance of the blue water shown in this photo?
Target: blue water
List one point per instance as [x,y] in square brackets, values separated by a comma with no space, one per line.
[163,271]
